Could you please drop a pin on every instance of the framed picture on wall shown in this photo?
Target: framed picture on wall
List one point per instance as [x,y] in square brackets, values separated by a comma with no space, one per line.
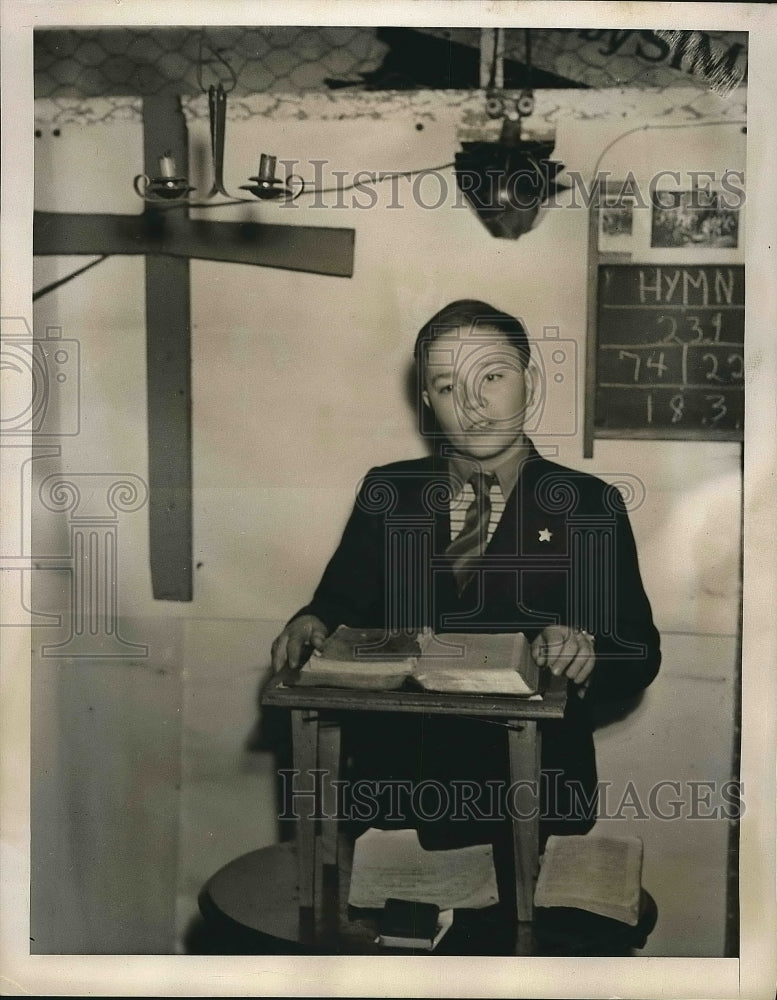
[616,225]
[694,219]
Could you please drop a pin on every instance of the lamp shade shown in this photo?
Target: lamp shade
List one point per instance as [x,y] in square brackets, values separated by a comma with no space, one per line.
[505,183]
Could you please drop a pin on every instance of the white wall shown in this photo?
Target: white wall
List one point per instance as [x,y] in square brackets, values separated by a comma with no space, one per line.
[299,387]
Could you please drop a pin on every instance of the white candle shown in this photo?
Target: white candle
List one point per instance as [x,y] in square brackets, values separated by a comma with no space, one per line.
[167,166]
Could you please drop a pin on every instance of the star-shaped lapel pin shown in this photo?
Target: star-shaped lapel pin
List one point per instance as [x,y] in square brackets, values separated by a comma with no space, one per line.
[545,535]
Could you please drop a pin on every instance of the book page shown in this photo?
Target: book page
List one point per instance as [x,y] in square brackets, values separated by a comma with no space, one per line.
[368,645]
[367,657]
[487,663]
[600,874]
[393,863]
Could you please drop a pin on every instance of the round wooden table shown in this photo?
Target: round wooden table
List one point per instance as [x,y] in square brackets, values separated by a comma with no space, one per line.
[251,907]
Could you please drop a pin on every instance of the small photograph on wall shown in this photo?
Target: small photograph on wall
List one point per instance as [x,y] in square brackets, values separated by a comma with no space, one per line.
[616,225]
[694,219]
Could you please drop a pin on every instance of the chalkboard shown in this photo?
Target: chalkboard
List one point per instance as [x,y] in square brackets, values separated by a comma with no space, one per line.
[669,358]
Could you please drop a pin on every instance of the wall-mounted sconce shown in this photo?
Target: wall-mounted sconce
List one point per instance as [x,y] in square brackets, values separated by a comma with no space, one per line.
[168,187]
[266,186]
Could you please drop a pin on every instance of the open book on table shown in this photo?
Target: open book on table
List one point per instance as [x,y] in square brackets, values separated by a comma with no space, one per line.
[465,662]
[600,874]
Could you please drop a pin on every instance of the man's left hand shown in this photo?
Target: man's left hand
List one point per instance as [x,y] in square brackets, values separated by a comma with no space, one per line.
[566,650]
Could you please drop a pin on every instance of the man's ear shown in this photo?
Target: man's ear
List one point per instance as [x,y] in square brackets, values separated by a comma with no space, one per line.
[425,398]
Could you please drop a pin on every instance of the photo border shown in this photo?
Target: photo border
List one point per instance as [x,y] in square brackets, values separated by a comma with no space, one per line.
[753,974]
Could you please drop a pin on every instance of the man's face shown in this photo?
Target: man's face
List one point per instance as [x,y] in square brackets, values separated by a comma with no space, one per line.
[476,386]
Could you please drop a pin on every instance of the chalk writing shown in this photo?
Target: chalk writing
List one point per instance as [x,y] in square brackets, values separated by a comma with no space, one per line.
[670,350]
[686,286]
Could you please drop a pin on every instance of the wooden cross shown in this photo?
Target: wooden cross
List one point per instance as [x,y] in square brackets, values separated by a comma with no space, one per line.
[169,240]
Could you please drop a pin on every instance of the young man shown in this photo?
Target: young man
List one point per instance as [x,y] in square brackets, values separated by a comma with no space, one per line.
[486,535]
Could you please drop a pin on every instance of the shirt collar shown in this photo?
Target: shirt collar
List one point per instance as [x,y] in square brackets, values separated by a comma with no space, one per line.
[507,469]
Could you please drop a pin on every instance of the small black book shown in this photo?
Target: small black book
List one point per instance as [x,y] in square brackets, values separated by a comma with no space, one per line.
[405,923]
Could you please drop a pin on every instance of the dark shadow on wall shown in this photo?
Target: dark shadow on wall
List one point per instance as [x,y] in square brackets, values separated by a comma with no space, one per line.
[416,60]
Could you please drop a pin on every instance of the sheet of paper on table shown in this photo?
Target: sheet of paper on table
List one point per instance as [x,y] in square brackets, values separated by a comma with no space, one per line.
[393,863]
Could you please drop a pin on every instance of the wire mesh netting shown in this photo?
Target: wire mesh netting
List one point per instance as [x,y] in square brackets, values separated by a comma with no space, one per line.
[74,63]
[259,59]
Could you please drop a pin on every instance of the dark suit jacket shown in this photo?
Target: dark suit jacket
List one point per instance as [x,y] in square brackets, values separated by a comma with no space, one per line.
[390,570]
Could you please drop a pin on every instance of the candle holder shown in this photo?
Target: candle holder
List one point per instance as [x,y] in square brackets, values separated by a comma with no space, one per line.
[166,186]
[268,187]
[162,188]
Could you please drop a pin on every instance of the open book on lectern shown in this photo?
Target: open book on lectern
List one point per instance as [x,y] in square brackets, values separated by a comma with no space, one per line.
[463,662]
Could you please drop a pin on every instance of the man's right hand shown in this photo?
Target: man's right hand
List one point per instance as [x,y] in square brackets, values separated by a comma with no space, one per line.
[307,630]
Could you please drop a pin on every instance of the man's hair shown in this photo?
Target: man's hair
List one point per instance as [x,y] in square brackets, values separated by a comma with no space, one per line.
[471,314]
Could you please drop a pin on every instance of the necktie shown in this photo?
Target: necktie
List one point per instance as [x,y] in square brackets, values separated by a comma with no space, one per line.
[471,541]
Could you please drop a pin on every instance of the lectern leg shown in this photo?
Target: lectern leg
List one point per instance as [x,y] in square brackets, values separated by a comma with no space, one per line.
[329,762]
[304,732]
[524,744]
